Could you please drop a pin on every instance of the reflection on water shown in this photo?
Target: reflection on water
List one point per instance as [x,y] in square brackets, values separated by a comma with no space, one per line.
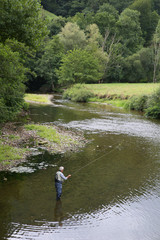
[58,212]
[113,191]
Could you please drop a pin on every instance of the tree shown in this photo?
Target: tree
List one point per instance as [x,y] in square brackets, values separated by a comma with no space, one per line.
[157,5]
[82,19]
[156,52]
[72,37]
[22,31]
[94,38]
[94,45]
[79,66]
[12,78]
[106,19]
[133,69]
[22,20]
[50,62]
[148,18]
[120,5]
[56,25]
[129,31]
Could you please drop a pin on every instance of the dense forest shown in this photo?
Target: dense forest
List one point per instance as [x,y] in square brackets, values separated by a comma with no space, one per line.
[83,42]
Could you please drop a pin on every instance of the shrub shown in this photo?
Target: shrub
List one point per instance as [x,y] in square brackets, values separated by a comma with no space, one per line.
[153,105]
[78,93]
[25,106]
[138,103]
[153,112]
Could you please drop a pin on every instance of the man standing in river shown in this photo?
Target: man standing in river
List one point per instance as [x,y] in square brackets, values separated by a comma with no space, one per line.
[59,179]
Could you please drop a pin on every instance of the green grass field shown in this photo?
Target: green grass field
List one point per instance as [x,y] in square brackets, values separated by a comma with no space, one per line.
[48,14]
[122,90]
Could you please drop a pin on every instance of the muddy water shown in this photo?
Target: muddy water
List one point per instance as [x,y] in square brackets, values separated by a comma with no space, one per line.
[114,192]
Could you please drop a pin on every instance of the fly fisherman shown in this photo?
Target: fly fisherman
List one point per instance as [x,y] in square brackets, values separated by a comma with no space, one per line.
[59,179]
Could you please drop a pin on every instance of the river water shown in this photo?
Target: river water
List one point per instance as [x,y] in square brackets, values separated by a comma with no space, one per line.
[114,191]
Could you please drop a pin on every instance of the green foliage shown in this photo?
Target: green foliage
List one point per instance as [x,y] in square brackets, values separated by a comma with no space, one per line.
[22,20]
[133,68]
[25,106]
[70,8]
[78,93]
[153,112]
[56,24]
[79,66]
[83,19]
[129,31]
[72,37]
[157,5]
[106,18]
[49,62]
[156,52]
[150,104]
[153,105]
[138,103]
[12,78]
[148,17]
[120,5]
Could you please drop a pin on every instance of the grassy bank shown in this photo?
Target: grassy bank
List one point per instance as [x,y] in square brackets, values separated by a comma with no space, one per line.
[114,102]
[139,97]
[17,142]
[38,98]
[144,97]
[9,155]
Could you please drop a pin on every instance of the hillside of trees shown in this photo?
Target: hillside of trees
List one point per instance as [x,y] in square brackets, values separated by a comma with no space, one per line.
[84,42]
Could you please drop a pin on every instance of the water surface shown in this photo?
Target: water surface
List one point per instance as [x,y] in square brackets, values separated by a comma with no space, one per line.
[114,191]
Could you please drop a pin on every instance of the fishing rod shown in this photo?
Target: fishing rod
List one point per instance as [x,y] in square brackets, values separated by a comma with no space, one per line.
[113,149]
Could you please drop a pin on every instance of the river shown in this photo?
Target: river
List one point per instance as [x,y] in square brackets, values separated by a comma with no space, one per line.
[114,191]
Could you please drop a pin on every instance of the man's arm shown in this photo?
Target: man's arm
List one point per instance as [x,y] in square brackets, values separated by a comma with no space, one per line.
[65,178]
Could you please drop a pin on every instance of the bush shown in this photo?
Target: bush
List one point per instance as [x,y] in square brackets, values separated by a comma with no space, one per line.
[153,112]
[78,93]
[153,105]
[25,106]
[138,103]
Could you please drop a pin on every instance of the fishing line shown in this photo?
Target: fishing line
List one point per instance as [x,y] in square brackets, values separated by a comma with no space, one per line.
[117,147]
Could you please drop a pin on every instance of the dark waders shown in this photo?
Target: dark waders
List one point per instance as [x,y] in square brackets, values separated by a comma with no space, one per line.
[58,186]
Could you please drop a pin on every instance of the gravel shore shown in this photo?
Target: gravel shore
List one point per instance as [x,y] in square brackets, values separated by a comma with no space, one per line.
[29,139]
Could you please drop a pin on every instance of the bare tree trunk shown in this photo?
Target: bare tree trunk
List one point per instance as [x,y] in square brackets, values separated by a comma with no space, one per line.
[105,39]
[110,51]
[156,60]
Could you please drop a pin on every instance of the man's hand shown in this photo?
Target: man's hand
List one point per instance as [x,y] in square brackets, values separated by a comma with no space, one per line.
[68,176]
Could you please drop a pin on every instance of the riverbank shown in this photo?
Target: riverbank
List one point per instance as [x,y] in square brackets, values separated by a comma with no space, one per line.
[19,142]
[39,98]
[140,97]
